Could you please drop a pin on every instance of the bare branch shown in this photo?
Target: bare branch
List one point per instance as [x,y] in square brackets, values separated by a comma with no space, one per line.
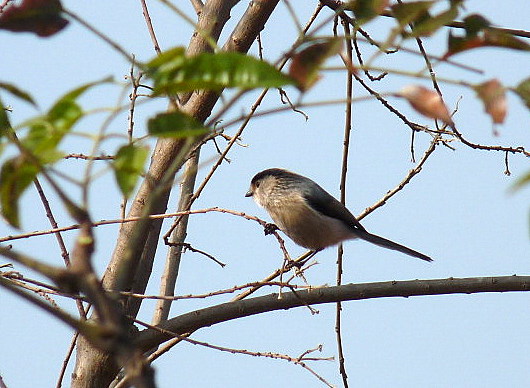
[89,157]
[135,219]
[343,177]
[194,320]
[217,292]
[300,360]
[150,28]
[403,183]
[189,247]
[176,235]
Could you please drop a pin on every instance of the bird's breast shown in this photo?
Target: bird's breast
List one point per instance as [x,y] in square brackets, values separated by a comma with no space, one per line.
[306,226]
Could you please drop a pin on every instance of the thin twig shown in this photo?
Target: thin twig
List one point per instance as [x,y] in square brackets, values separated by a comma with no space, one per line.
[507,170]
[135,219]
[516,150]
[344,171]
[175,236]
[274,275]
[53,222]
[62,246]
[293,16]
[300,360]
[286,100]
[133,96]
[41,289]
[190,248]
[66,360]
[147,18]
[403,183]
[101,35]
[217,292]
[57,313]
[89,157]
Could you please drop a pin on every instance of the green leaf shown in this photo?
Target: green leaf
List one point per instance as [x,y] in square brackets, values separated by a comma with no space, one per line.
[407,13]
[430,24]
[4,126]
[475,23]
[175,124]
[480,34]
[128,165]
[496,38]
[46,132]
[15,176]
[15,91]
[42,138]
[523,91]
[366,10]
[521,182]
[4,120]
[173,72]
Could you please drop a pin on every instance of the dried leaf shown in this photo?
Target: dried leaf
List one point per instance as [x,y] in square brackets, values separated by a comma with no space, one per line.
[427,102]
[307,62]
[493,95]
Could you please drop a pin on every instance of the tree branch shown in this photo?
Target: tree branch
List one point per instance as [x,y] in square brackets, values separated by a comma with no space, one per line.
[197,319]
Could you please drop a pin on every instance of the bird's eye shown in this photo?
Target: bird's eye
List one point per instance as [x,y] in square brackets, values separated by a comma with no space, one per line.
[257,184]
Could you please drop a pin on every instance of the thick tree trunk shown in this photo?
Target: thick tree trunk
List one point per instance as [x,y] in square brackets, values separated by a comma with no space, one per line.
[94,368]
[136,247]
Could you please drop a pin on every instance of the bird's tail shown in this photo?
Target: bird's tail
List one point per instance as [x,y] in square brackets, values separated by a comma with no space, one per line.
[383,242]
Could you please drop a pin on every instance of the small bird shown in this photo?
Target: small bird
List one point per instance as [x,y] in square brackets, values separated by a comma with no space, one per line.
[309,215]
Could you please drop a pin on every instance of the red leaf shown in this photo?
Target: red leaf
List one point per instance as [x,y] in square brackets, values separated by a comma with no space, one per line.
[480,34]
[42,17]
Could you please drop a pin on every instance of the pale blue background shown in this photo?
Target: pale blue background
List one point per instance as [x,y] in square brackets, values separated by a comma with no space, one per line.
[458,210]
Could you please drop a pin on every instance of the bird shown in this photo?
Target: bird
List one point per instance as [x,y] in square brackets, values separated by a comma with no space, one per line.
[309,215]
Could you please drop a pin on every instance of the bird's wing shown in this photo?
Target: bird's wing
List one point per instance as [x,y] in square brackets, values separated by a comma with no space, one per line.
[324,203]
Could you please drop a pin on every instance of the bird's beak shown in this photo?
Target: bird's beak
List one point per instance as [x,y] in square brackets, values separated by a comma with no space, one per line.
[249,193]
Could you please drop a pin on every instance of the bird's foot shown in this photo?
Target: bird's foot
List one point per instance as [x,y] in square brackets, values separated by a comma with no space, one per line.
[270,228]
